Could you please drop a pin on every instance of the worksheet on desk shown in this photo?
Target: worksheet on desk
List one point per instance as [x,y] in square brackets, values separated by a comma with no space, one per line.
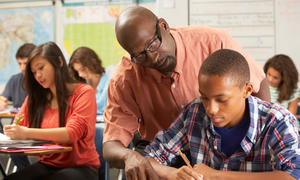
[5,141]
[3,137]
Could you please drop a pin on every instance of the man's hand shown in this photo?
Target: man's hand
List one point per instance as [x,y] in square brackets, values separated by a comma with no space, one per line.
[207,172]
[3,102]
[15,132]
[138,167]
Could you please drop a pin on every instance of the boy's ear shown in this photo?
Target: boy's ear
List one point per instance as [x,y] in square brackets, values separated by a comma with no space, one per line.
[248,89]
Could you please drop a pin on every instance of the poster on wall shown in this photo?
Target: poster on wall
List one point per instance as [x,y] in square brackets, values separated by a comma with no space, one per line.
[19,26]
[92,24]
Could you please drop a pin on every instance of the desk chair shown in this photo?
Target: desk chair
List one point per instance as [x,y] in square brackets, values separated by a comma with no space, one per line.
[104,166]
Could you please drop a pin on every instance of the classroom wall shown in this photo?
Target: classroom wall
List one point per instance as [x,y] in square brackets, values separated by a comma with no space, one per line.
[283,17]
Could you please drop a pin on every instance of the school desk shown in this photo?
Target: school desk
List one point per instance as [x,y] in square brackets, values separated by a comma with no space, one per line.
[36,153]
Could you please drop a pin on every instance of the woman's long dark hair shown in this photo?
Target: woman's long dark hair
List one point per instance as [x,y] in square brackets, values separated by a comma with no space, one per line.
[88,59]
[38,97]
[289,75]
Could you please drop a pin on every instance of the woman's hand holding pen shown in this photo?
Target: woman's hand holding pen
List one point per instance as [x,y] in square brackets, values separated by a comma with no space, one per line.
[15,132]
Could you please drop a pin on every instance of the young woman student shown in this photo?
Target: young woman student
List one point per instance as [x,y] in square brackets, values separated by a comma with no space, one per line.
[59,110]
[282,76]
[86,66]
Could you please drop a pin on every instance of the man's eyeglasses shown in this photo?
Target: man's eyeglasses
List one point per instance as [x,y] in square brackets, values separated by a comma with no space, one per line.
[152,47]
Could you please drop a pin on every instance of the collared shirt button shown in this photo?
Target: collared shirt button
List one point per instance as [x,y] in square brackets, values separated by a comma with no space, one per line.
[182,106]
[173,85]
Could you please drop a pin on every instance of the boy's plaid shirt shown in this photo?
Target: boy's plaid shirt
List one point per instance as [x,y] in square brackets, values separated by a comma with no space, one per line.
[271,143]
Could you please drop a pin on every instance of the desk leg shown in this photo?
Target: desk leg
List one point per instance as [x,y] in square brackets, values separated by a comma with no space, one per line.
[2,171]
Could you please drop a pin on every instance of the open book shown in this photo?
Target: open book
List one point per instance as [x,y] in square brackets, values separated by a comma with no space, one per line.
[5,142]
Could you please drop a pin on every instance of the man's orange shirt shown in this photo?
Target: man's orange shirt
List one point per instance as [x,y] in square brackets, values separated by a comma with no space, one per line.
[143,99]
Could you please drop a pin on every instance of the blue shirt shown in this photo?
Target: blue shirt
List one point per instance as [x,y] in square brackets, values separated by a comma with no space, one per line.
[231,138]
[14,91]
[101,96]
[271,142]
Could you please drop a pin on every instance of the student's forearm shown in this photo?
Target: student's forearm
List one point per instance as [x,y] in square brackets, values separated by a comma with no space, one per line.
[58,135]
[161,170]
[233,175]
[115,153]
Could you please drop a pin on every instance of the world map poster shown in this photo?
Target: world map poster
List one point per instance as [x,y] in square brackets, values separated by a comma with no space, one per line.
[19,26]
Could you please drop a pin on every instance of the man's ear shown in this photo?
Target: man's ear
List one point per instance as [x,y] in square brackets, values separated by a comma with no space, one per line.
[248,89]
[60,61]
[163,24]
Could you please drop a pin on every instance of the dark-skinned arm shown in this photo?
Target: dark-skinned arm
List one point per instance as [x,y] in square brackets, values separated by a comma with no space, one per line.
[136,166]
[264,91]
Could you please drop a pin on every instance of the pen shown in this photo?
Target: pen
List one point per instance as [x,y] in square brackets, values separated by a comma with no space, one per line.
[20,118]
[185,159]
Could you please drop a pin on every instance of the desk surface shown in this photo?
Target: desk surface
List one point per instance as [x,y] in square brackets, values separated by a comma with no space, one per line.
[7,115]
[41,152]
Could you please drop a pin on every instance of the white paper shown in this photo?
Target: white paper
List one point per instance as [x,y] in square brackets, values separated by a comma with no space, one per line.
[3,137]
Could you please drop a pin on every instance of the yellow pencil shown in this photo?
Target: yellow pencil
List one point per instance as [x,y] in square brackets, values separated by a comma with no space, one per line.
[185,159]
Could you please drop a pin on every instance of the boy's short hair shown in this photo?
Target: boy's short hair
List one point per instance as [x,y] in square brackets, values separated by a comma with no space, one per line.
[227,62]
[24,51]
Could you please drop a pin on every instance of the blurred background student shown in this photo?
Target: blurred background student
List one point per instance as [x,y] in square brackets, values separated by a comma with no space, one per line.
[13,89]
[86,66]
[282,76]
[60,110]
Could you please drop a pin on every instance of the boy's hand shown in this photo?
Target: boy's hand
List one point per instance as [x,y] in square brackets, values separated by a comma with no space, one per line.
[185,173]
[15,132]
[205,170]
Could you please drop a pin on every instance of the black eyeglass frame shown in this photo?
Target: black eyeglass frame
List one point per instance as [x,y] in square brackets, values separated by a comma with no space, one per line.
[143,54]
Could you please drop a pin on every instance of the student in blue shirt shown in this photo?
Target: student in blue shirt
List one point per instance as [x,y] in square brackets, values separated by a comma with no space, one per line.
[13,89]
[15,92]
[227,133]
[86,66]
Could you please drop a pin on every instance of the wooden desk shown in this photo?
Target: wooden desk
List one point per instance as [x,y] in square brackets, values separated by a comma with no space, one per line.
[35,153]
[40,152]
[7,115]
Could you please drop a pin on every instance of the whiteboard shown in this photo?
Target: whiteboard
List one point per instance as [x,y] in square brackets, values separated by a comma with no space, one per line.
[262,27]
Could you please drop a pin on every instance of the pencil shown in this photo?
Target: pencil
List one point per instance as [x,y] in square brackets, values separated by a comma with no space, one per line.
[20,118]
[185,159]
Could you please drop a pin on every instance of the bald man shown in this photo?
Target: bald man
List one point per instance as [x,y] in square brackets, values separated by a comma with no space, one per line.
[156,79]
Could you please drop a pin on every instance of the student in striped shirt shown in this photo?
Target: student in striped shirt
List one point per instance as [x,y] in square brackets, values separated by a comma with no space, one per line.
[282,76]
[227,133]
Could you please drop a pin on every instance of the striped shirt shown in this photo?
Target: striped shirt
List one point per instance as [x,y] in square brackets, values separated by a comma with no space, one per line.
[271,142]
[274,92]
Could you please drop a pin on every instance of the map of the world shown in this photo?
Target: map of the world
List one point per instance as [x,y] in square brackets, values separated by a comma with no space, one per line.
[19,26]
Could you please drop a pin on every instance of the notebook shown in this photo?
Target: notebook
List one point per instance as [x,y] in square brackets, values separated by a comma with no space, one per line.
[5,141]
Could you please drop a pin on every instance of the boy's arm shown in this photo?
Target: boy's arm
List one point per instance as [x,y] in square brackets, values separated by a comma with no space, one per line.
[212,174]
[170,173]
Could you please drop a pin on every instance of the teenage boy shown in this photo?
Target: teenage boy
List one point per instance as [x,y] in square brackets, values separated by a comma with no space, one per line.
[227,133]
[13,90]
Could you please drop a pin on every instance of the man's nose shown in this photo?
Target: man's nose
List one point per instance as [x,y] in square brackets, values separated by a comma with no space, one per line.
[153,56]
